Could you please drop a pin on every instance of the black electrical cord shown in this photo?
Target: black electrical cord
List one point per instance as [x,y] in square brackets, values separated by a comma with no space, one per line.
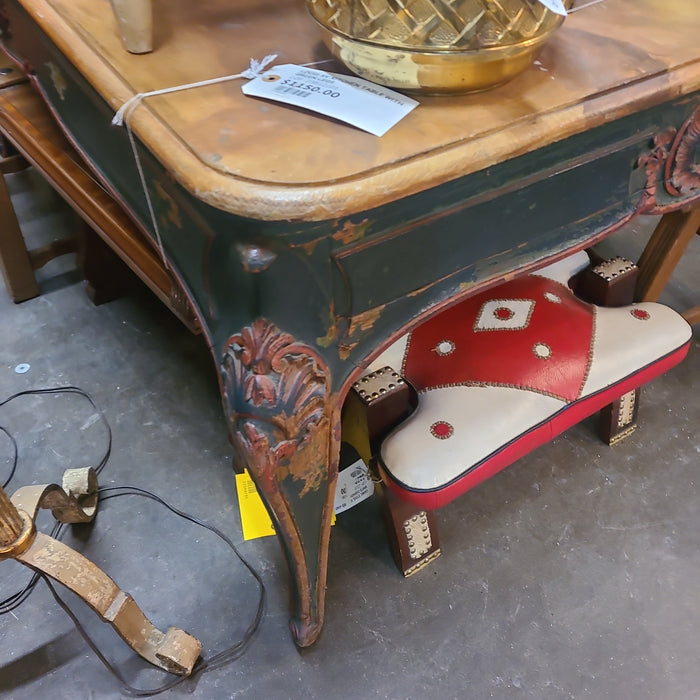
[214,662]
[14,455]
[16,599]
[59,390]
[230,653]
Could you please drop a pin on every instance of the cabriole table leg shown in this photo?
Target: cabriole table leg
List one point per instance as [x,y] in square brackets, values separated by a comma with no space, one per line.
[285,425]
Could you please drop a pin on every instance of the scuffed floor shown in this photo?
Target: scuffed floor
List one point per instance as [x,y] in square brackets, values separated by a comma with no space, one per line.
[572,574]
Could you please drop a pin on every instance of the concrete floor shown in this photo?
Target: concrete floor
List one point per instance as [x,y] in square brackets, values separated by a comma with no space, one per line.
[572,574]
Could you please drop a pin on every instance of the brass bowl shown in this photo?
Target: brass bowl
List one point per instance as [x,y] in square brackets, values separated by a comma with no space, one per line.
[435,46]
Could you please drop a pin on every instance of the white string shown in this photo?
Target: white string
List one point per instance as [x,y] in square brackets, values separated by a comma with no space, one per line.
[256,67]
[151,211]
[582,7]
[121,118]
[318,63]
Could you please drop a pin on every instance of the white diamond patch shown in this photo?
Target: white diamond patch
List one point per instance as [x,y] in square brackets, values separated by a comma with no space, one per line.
[504,315]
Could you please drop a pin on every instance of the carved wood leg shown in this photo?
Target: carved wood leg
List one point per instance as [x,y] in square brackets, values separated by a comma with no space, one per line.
[663,251]
[285,425]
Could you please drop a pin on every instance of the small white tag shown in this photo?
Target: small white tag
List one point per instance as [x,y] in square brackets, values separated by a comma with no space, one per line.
[354,486]
[363,104]
[556,6]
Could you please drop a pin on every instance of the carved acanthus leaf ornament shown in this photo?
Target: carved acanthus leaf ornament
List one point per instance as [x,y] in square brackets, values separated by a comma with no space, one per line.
[674,164]
[277,393]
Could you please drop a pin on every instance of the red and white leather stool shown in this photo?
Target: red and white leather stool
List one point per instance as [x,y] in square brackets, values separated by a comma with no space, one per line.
[495,376]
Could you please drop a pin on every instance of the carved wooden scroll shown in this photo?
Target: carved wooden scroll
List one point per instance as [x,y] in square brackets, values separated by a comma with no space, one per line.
[672,168]
[682,173]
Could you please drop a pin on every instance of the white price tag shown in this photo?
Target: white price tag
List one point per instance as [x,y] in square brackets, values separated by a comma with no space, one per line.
[354,486]
[363,104]
[556,6]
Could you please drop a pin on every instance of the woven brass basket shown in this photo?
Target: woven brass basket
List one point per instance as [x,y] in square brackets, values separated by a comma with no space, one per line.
[435,46]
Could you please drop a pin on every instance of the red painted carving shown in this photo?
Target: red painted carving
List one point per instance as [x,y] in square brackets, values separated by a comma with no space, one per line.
[683,167]
[277,393]
[285,423]
[674,163]
[654,164]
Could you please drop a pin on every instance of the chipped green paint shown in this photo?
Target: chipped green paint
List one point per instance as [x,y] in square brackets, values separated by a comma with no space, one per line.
[351,233]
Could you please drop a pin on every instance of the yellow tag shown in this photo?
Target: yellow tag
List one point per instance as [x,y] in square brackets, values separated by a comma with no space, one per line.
[255,520]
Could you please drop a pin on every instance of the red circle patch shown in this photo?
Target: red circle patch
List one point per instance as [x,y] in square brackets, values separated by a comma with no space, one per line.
[503,313]
[442,430]
[640,314]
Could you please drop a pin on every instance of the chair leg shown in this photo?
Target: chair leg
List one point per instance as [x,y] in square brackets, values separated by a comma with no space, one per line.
[412,533]
[663,251]
[619,419]
[107,276]
[692,316]
[16,265]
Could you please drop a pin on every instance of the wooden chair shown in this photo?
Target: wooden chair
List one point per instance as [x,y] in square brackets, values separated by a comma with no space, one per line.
[663,252]
[483,383]
[110,238]
[16,263]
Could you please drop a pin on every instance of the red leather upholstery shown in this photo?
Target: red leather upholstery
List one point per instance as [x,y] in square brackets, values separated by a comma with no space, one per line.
[507,370]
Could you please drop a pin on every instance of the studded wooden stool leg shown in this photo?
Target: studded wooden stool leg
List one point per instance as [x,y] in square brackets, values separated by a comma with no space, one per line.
[374,405]
[412,532]
[619,419]
[612,283]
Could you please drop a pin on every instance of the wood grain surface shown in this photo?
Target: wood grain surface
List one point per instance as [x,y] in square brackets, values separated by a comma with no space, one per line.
[268,161]
[26,121]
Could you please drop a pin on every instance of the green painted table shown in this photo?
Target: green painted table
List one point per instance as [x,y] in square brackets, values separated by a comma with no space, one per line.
[305,245]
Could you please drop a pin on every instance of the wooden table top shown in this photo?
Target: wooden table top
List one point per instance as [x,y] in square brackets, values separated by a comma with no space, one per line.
[268,161]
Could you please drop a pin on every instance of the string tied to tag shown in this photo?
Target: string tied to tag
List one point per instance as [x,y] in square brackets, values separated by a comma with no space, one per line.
[122,115]
[256,67]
